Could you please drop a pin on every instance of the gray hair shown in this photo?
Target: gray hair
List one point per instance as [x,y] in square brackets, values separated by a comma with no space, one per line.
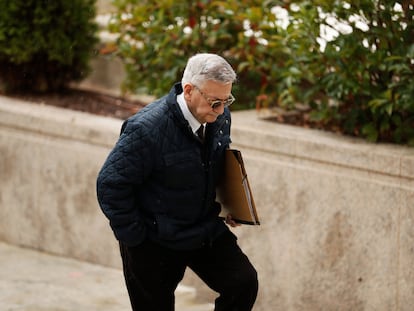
[207,67]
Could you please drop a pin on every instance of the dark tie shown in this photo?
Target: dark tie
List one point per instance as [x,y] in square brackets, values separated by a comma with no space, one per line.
[200,132]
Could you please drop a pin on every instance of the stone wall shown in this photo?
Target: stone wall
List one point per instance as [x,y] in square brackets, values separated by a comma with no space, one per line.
[337,218]
[49,159]
[337,230]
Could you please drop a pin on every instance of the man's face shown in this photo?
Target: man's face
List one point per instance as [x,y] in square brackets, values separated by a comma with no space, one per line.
[201,97]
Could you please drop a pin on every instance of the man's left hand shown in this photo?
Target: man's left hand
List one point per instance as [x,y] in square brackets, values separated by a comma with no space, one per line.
[231,222]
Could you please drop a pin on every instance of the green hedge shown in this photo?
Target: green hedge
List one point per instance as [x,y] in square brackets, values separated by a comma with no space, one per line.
[157,37]
[359,81]
[44,45]
[362,80]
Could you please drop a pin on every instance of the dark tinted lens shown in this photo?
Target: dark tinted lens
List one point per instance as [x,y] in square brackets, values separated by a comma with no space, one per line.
[215,104]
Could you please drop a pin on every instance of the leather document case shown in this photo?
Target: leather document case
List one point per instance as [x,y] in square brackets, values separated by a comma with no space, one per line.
[234,193]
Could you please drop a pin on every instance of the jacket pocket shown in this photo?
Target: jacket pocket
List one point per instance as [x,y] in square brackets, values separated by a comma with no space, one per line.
[182,170]
[166,228]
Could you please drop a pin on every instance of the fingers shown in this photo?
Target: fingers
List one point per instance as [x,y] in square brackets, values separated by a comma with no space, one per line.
[231,222]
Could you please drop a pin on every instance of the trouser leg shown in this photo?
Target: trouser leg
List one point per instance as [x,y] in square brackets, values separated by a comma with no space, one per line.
[228,271]
[152,274]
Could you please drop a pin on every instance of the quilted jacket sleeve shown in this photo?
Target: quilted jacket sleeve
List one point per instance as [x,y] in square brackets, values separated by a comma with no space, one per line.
[123,172]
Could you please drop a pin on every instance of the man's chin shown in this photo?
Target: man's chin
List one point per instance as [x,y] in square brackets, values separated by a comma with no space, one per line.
[211,118]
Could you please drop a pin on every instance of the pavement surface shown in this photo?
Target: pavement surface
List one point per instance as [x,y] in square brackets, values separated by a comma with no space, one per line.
[36,281]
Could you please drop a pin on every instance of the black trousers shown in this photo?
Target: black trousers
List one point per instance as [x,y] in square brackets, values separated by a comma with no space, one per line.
[152,273]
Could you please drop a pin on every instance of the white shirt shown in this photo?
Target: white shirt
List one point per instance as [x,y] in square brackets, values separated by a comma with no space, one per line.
[194,123]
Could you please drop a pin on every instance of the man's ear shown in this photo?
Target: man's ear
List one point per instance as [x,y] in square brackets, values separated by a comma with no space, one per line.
[187,90]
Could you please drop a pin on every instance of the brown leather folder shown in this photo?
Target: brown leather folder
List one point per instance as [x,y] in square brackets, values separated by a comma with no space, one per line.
[234,193]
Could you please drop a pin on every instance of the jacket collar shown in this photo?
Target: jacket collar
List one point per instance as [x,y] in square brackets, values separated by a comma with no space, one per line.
[172,102]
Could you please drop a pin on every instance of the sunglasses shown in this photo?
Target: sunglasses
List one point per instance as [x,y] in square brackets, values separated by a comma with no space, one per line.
[215,103]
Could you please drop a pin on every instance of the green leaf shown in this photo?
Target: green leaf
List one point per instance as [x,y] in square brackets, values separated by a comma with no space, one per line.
[370,132]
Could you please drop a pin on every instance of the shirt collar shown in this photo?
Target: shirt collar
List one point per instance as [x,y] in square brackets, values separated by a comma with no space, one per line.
[187,113]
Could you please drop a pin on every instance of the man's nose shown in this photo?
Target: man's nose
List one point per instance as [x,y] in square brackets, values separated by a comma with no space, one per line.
[219,109]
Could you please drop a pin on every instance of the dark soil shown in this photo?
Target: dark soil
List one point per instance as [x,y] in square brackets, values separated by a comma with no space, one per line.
[302,118]
[121,107]
[86,101]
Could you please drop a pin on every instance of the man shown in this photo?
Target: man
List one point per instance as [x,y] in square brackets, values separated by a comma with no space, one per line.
[157,188]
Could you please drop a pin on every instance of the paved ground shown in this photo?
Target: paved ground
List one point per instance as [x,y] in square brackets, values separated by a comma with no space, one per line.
[35,281]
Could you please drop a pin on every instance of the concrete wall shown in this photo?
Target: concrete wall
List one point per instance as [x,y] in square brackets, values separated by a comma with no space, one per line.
[337,214]
[338,219]
[49,159]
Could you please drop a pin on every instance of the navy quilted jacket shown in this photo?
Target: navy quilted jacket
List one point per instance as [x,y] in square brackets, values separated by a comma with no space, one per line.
[159,180]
